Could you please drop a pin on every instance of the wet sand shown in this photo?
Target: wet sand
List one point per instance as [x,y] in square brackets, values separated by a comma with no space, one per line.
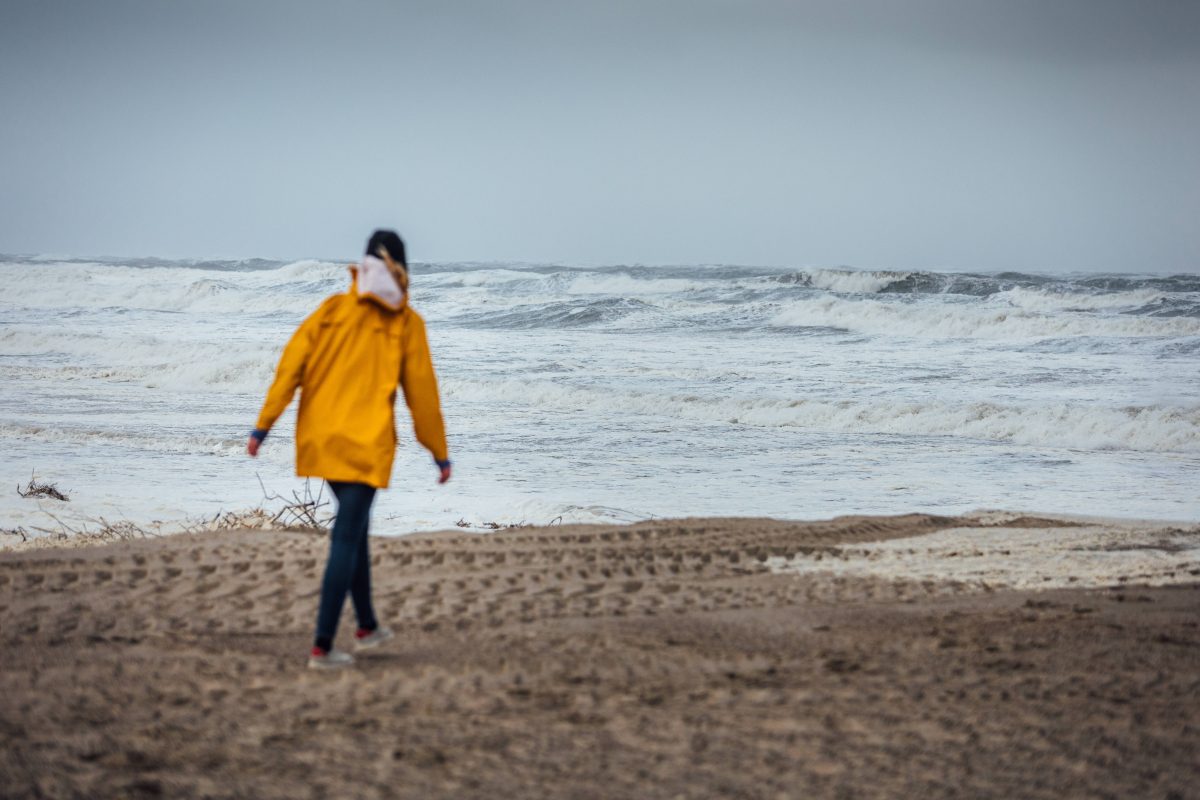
[678,658]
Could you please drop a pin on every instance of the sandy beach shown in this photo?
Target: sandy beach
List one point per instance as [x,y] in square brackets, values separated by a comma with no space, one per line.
[992,655]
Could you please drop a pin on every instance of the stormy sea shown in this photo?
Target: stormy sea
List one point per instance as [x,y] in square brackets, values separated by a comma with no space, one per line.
[618,393]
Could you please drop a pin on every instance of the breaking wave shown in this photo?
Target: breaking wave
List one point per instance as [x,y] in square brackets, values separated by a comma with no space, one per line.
[1004,316]
[1057,425]
[155,442]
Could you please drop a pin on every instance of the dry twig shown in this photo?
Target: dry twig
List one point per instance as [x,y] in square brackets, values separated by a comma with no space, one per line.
[104,531]
[36,489]
[302,511]
[17,531]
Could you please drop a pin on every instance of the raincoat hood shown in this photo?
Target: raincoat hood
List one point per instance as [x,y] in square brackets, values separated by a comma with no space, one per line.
[376,280]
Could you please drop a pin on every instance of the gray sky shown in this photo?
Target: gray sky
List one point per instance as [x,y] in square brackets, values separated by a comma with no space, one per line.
[960,134]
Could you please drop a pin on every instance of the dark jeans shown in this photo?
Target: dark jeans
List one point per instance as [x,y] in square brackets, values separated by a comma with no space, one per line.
[349,564]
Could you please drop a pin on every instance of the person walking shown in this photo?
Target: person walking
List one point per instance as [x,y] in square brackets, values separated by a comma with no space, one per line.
[347,359]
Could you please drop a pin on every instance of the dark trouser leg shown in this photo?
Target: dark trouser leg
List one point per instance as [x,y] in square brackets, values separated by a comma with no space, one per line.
[350,526]
[360,585]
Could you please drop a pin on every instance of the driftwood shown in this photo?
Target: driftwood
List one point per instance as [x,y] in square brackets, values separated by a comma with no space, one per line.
[36,489]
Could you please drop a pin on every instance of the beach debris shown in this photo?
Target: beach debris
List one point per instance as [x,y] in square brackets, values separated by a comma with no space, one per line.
[255,518]
[17,531]
[103,530]
[496,526]
[493,526]
[303,511]
[41,489]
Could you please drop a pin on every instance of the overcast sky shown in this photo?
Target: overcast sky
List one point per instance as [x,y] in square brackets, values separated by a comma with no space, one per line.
[946,134]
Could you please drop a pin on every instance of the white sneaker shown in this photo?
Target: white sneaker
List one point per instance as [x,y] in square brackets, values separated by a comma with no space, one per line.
[334,659]
[372,639]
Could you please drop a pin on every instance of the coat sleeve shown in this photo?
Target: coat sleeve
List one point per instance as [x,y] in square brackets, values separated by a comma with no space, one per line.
[419,382]
[288,374]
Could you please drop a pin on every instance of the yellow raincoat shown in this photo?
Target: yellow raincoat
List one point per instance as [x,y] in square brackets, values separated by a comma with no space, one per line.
[347,360]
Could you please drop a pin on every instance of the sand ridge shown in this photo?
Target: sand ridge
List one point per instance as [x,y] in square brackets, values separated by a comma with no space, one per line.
[660,659]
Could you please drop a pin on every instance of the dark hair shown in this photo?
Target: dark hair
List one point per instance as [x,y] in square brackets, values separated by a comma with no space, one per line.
[390,241]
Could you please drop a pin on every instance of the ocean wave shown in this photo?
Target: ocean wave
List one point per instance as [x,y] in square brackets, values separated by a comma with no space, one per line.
[224,265]
[624,284]
[151,361]
[1051,301]
[545,300]
[854,282]
[545,287]
[1166,306]
[1056,425]
[851,281]
[297,287]
[458,279]
[153,440]
[569,314]
[992,320]
[547,296]
[1126,283]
